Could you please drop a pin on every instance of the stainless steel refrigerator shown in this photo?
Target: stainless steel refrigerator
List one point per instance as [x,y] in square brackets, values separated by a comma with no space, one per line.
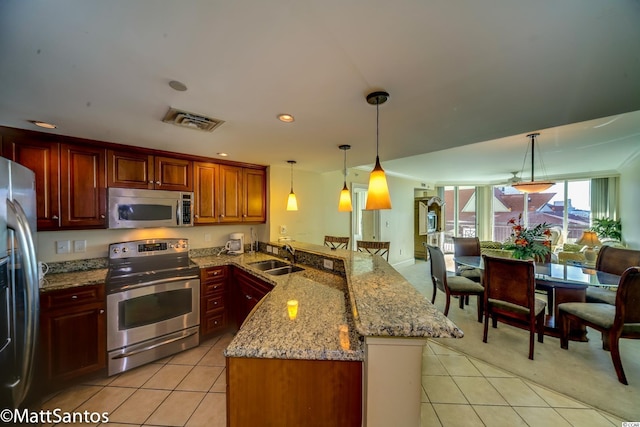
[19,290]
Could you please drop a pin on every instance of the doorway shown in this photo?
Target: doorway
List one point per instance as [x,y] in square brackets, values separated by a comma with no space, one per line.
[365,225]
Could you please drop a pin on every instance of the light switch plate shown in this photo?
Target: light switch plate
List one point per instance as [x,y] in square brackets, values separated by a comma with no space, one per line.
[79,245]
[328,264]
[63,246]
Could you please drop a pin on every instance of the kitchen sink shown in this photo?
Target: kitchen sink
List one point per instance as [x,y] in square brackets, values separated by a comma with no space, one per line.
[268,264]
[283,270]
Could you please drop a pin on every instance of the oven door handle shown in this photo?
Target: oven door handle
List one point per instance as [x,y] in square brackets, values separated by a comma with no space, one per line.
[156,282]
[152,346]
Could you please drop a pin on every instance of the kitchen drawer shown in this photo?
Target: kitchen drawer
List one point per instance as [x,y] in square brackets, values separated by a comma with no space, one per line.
[70,297]
[212,303]
[212,274]
[210,288]
[214,322]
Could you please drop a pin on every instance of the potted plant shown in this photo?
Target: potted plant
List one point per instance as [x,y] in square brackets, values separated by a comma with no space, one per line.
[528,243]
[607,228]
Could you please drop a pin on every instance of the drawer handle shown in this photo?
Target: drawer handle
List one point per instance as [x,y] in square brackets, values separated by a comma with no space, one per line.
[101,311]
[215,273]
[74,296]
[248,297]
[215,303]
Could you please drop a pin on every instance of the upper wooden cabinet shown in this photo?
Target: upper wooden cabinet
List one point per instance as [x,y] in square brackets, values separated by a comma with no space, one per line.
[205,182]
[138,170]
[70,181]
[83,193]
[42,157]
[242,194]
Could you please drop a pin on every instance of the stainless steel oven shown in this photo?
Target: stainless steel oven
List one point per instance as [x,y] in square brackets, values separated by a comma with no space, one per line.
[153,302]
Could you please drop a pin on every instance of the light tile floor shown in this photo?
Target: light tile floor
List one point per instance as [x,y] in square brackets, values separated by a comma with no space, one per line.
[188,389]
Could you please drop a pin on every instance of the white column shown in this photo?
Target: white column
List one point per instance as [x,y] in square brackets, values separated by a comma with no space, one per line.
[392,381]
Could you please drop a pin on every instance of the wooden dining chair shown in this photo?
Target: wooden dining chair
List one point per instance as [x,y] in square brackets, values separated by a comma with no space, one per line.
[621,320]
[615,261]
[335,242]
[509,296]
[452,285]
[467,246]
[373,247]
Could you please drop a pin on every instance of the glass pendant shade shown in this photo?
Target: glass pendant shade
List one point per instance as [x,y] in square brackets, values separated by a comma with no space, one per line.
[345,200]
[378,193]
[292,202]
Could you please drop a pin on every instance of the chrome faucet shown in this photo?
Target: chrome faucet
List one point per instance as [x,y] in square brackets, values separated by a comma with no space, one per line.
[287,247]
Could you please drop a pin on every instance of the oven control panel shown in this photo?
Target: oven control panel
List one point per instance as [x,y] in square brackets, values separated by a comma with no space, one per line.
[140,248]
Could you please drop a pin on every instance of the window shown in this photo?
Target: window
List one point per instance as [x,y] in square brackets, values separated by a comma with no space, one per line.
[565,205]
[460,211]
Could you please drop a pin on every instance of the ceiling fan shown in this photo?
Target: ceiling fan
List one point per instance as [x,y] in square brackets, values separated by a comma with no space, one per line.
[514,179]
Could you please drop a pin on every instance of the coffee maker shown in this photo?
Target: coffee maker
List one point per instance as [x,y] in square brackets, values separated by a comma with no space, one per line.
[235,244]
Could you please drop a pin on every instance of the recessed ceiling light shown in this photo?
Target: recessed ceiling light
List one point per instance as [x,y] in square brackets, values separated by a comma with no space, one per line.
[43,124]
[222,154]
[287,118]
[176,85]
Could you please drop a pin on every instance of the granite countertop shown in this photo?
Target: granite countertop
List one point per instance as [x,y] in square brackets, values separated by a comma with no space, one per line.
[335,312]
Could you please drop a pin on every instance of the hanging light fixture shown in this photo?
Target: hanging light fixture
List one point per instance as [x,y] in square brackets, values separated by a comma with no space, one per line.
[378,193]
[292,202]
[345,196]
[532,186]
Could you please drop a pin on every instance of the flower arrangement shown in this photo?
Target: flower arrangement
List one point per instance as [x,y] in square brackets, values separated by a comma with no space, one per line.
[532,243]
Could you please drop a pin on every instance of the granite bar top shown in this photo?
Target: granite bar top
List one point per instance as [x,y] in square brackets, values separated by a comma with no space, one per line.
[334,314]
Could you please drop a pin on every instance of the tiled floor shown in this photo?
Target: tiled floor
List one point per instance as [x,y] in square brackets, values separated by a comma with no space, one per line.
[189,390]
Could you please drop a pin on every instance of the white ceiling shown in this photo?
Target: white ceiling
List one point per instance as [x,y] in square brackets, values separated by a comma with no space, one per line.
[459,73]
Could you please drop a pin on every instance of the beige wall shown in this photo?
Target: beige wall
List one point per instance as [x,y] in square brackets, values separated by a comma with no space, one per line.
[630,202]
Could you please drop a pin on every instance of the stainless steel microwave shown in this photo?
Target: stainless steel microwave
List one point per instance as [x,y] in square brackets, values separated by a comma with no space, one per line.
[132,208]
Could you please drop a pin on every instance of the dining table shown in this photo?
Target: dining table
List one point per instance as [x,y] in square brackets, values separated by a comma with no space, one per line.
[561,283]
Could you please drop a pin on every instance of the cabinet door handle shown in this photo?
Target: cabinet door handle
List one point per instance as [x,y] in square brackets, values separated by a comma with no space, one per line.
[101,311]
[101,216]
[74,296]
[158,183]
[248,297]
[197,216]
[150,181]
[54,217]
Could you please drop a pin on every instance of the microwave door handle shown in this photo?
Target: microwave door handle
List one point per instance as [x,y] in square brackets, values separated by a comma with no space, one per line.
[17,220]
[178,212]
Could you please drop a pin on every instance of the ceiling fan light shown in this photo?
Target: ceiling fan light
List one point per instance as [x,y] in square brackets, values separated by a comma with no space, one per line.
[533,186]
[378,193]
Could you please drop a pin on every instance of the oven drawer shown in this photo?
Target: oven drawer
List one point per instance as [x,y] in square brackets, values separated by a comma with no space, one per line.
[69,297]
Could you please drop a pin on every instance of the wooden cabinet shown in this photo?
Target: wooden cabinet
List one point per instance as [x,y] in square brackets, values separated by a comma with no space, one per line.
[83,193]
[130,169]
[242,194]
[229,194]
[249,290]
[41,156]
[70,181]
[293,392]
[213,297]
[205,182]
[73,333]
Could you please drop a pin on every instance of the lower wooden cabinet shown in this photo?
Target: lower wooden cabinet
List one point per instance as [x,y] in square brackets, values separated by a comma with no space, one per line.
[280,392]
[249,290]
[213,296]
[72,333]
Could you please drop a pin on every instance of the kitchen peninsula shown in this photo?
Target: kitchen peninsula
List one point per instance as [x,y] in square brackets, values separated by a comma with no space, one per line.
[374,317]
[359,331]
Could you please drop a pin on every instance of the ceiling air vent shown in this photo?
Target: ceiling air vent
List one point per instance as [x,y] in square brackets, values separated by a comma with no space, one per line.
[190,120]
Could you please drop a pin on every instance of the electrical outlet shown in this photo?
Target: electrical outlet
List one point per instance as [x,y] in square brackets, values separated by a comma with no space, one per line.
[328,264]
[79,246]
[283,229]
[63,247]
[207,237]
[269,249]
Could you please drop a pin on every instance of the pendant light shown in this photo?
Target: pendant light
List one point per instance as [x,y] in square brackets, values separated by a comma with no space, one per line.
[345,196]
[292,202]
[532,186]
[378,193]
